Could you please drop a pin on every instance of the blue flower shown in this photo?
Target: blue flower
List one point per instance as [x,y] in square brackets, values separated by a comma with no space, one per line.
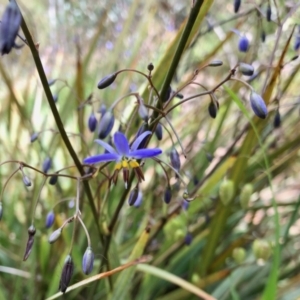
[125,157]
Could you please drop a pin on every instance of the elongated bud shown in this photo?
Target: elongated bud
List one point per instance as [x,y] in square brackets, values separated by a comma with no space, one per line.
[1,211]
[297,42]
[258,105]
[143,112]
[144,127]
[50,219]
[226,191]
[168,195]
[215,63]
[66,274]
[159,132]
[277,120]
[106,124]
[92,122]
[55,235]
[263,36]
[47,164]
[243,44]
[168,94]
[213,108]
[53,179]
[10,24]
[185,205]
[26,180]
[175,159]
[88,261]
[188,239]
[245,195]
[269,13]
[246,69]
[261,249]
[31,233]
[133,196]
[139,200]
[236,5]
[34,136]
[106,81]
[239,255]
[150,67]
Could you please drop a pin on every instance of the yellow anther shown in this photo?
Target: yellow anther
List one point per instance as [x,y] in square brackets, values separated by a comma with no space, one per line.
[118,166]
[125,164]
[133,163]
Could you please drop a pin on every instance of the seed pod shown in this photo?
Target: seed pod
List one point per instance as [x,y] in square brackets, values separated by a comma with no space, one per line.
[106,81]
[106,124]
[246,69]
[150,67]
[34,137]
[31,233]
[47,165]
[50,219]
[258,105]
[53,179]
[269,13]
[10,24]
[215,63]
[243,44]
[88,261]
[188,239]
[261,249]
[55,235]
[168,195]
[277,120]
[236,5]
[92,122]
[226,191]
[1,211]
[159,132]
[26,180]
[175,159]
[143,112]
[245,195]
[239,255]
[133,196]
[213,108]
[66,274]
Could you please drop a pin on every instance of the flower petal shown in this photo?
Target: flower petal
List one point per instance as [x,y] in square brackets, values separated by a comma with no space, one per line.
[139,139]
[106,146]
[101,158]
[144,153]
[121,143]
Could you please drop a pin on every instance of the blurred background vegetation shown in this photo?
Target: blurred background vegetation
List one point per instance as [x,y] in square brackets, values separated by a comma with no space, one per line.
[245,249]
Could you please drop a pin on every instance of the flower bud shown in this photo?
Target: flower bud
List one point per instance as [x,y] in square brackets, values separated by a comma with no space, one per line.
[243,44]
[159,132]
[31,233]
[50,219]
[226,191]
[55,235]
[245,195]
[139,200]
[258,105]
[188,239]
[261,249]
[106,81]
[175,159]
[168,195]
[34,137]
[168,95]
[269,13]
[150,67]
[143,112]
[53,179]
[133,196]
[185,205]
[88,261]
[10,24]
[246,69]
[92,122]
[144,127]
[236,5]
[277,120]
[239,255]
[47,164]
[66,274]
[106,124]
[1,211]
[297,42]
[213,108]
[215,63]
[26,180]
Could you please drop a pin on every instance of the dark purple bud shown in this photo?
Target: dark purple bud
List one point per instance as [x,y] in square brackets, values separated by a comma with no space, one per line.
[51,81]
[159,132]
[34,137]
[143,112]
[188,239]
[55,235]
[246,69]
[1,211]
[31,233]
[263,36]
[295,57]
[55,98]
[66,274]
[213,108]
[180,96]
[269,13]
[50,219]
[168,195]
[185,205]
[215,63]
[297,43]
[92,122]
[106,81]
[26,180]
[236,5]
[168,94]
[144,127]
[277,120]
[88,261]
[133,196]
[258,105]
[9,27]
[150,67]
[195,180]
[243,44]
[53,179]
[106,124]
[47,164]
[175,159]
